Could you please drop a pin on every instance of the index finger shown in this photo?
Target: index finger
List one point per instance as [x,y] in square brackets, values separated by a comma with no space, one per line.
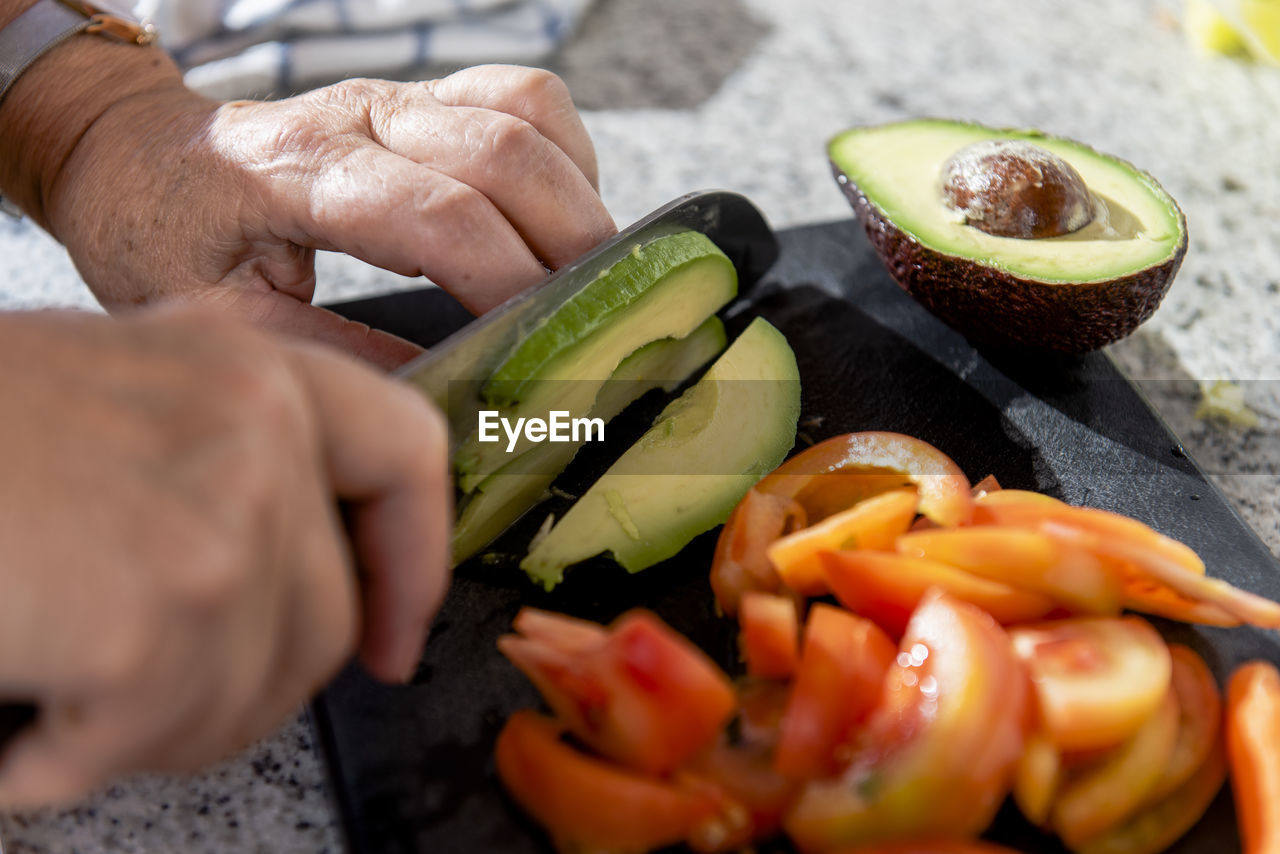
[385,449]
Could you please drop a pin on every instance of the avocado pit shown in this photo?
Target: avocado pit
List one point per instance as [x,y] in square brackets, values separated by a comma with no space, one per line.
[1014,188]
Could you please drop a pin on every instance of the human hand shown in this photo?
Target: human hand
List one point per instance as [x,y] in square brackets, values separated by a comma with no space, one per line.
[479,181]
[175,573]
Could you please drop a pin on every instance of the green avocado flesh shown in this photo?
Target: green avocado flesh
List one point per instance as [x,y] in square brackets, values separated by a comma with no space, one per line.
[506,495]
[663,289]
[897,166]
[684,476]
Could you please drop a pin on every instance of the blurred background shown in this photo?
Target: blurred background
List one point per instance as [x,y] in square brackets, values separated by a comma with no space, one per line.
[743,95]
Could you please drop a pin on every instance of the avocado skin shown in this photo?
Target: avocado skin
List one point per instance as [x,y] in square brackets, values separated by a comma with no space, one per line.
[990,306]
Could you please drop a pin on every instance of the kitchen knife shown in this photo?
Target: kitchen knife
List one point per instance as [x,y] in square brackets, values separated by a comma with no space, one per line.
[452,372]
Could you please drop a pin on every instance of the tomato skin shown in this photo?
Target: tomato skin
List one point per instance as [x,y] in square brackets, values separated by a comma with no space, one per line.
[827,478]
[887,587]
[1199,720]
[645,696]
[838,680]
[936,756]
[1097,679]
[769,635]
[873,523]
[586,803]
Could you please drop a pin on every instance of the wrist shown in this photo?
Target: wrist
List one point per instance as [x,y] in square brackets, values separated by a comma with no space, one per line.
[58,99]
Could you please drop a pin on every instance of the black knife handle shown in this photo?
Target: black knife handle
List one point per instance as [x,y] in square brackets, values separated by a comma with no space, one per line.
[14,717]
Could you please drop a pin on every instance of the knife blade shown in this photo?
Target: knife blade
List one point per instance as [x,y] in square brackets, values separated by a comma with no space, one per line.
[452,372]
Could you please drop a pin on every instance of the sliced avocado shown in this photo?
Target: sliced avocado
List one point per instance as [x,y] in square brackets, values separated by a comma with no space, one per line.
[965,237]
[662,289]
[684,476]
[504,496]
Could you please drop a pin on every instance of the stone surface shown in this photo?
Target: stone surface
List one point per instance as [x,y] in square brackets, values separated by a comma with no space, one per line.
[743,94]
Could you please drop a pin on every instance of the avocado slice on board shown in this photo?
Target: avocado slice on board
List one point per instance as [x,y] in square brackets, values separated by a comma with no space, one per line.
[1013,236]
[662,289]
[686,473]
[506,495]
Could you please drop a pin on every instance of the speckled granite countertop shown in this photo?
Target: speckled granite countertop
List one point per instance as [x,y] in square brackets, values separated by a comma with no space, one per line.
[742,94]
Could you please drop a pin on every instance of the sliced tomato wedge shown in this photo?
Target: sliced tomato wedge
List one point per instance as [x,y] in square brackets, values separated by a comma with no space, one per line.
[741,563]
[1103,795]
[1199,720]
[1037,778]
[887,587]
[1253,749]
[642,694]
[873,523]
[1158,826]
[769,635]
[1025,559]
[1096,679]
[981,516]
[593,805]
[828,478]
[1031,509]
[936,756]
[838,681]
[1158,570]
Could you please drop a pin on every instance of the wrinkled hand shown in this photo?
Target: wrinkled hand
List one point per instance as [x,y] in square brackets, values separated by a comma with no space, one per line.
[479,181]
[177,576]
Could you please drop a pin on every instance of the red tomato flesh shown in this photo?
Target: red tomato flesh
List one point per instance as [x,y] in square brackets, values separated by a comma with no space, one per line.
[589,804]
[936,756]
[644,696]
[769,635]
[839,678]
[1028,560]
[887,588]
[873,523]
[1097,679]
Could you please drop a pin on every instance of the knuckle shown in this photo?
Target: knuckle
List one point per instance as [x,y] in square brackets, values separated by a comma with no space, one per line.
[258,392]
[454,201]
[511,140]
[215,573]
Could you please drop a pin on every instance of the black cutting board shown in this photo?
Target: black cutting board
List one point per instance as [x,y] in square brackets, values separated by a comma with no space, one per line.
[411,767]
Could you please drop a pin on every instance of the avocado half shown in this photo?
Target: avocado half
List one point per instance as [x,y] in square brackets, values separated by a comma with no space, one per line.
[1071,293]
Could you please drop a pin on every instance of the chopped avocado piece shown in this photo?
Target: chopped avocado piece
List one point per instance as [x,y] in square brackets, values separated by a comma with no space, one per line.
[504,496]
[662,289]
[1013,236]
[684,476]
